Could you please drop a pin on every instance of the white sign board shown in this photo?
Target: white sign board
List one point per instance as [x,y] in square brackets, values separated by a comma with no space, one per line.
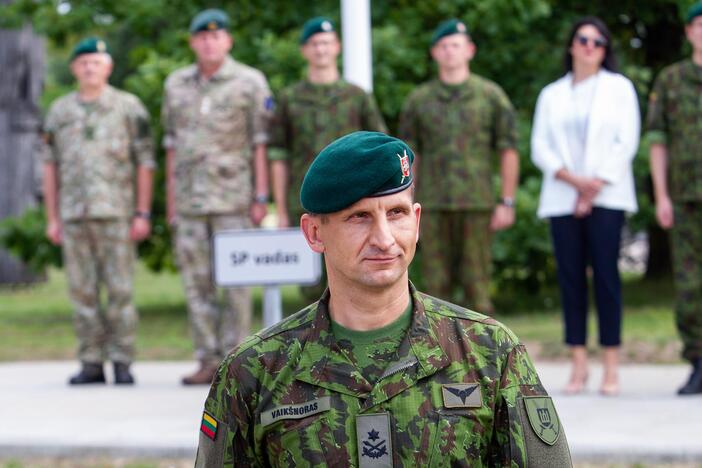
[252,257]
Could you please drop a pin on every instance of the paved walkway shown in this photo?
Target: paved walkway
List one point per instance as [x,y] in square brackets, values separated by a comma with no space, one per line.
[42,416]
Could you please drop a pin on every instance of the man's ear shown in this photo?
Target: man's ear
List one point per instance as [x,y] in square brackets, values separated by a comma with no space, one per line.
[310,229]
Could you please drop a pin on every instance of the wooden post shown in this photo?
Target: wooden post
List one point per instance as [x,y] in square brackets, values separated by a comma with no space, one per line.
[21,82]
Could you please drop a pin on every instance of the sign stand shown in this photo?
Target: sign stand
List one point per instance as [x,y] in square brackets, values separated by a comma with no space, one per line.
[272,305]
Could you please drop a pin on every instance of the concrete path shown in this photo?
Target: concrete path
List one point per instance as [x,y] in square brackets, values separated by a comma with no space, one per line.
[42,416]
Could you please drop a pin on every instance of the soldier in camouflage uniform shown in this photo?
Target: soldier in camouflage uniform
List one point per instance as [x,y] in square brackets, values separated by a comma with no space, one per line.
[675,131]
[97,186]
[311,114]
[376,373]
[215,116]
[457,124]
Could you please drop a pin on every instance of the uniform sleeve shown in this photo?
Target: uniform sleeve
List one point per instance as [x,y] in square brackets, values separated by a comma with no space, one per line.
[278,145]
[408,125]
[656,121]
[167,120]
[49,153]
[226,426]
[141,144]
[262,112]
[505,123]
[372,118]
[528,431]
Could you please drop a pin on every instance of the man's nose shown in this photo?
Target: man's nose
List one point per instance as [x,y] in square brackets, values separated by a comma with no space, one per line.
[381,235]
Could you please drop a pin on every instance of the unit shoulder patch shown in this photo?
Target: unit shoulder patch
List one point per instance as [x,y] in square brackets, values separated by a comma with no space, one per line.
[543,418]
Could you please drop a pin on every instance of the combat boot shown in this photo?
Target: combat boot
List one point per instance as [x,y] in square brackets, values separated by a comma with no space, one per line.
[90,373]
[694,384]
[203,376]
[122,374]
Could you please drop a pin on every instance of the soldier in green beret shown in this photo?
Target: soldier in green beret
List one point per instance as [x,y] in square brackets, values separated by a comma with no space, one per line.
[376,373]
[675,131]
[458,124]
[215,117]
[309,115]
[98,171]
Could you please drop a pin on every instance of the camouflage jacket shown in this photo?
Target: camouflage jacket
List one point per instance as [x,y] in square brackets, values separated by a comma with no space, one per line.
[457,131]
[96,148]
[213,126]
[675,119]
[462,391]
[310,116]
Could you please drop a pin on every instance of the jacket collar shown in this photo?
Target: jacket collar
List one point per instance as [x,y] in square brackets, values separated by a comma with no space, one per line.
[324,364]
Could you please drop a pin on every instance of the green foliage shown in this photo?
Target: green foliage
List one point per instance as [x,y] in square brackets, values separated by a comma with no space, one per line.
[520,46]
[24,237]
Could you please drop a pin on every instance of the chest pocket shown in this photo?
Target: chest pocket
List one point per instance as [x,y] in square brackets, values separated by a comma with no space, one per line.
[461,438]
[307,442]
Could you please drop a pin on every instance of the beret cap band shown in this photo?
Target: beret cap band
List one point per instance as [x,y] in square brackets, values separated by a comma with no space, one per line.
[448,28]
[89,45]
[209,20]
[316,25]
[355,166]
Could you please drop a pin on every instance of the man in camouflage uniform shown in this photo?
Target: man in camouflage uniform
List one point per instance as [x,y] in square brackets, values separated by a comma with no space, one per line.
[97,185]
[457,123]
[215,116]
[311,114]
[376,373]
[675,132]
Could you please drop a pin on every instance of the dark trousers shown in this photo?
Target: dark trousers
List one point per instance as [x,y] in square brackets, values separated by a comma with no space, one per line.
[595,240]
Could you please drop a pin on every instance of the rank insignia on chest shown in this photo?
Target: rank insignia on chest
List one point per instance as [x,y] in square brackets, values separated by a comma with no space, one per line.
[374,440]
[462,395]
[208,426]
[543,418]
[404,165]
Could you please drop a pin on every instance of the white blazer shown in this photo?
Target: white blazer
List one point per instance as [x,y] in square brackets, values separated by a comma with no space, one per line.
[611,143]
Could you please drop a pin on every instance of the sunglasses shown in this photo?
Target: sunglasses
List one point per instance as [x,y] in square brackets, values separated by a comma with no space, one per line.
[598,43]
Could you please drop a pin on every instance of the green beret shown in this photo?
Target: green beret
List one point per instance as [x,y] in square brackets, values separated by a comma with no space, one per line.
[355,166]
[694,11]
[447,28]
[316,25]
[89,45]
[209,20]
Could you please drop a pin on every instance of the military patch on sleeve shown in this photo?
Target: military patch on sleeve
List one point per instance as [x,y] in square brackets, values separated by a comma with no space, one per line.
[208,426]
[543,418]
[462,395]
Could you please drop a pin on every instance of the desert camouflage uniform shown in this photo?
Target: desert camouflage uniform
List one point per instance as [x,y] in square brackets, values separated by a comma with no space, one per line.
[97,147]
[458,132]
[308,117]
[675,120]
[213,126]
[462,391]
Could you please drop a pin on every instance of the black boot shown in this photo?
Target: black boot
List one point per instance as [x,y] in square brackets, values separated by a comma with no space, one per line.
[694,384]
[90,373]
[122,374]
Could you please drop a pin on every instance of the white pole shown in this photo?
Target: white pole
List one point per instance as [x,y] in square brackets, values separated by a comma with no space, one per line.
[272,306]
[356,33]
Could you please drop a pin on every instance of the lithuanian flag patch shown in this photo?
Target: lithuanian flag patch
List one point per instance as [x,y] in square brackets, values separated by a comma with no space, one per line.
[208,425]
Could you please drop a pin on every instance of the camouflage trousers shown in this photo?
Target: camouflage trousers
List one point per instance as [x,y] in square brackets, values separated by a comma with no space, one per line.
[216,327]
[96,253]
[686,240]
[313,292]
[455,253]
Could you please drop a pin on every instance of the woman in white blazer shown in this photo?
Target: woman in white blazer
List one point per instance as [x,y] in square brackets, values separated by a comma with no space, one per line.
[584,138]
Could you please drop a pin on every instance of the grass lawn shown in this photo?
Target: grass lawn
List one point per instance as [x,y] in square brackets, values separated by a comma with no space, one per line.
[35,322]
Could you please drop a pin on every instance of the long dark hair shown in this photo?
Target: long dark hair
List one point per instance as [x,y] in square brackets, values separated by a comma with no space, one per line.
[609,62]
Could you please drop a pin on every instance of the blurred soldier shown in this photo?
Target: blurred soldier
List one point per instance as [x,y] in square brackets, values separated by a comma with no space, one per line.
[675,131]
[215,117]
[457,123]
[97,187]
[376,374]
[311,114]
